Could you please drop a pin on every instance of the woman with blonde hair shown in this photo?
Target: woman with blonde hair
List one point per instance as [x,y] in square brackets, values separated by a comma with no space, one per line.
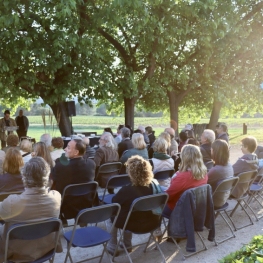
[25,150]
[41,150]
[11,180]
[192,173]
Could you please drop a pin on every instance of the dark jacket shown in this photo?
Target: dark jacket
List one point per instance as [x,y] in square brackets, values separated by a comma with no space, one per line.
[193,211]
[11,183]
[223,136]
[73,171]
[124,145]
[206,152]
[105,155]
[90,152]
[151,138]
[248,162]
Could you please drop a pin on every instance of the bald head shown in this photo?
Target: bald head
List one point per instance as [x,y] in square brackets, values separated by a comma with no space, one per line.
[170,131]
[86,141]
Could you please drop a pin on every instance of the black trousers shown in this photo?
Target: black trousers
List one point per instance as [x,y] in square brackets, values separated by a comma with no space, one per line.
[21,133]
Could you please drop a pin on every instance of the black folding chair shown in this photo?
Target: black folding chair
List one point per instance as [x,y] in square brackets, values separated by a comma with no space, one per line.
[91,236]
[220,197]
[143,204]
[163,175]
[114,182]
[34,231]
[240,194]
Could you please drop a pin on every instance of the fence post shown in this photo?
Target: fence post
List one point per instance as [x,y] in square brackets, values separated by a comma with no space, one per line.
[244,129]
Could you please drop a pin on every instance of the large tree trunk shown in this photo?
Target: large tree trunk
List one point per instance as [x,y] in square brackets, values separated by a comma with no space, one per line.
[61,114]
[217,105]
[174,110]
[129,105]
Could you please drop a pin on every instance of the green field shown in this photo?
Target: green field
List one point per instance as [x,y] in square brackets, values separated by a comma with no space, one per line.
[98,123]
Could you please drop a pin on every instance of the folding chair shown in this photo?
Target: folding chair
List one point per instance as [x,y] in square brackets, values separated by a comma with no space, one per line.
[114,182]
[73,192]
[32,231]
[143,204]
[220,196]
[240,193]
[209,165]
[163,175]
[91,236]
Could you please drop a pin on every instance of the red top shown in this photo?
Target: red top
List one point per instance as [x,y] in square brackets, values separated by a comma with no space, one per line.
[183,181]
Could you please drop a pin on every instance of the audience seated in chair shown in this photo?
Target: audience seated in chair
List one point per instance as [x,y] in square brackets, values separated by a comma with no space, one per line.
[192,173]
[90,151]
[182,140]
[150,133]
[11,180]
[36,203]
[221,131]
[118,138]
[173,148]
[12,142]
[249,160]
[40,150]
[47,139]
[140,172]
[74,170]
[144,133]
[26,150]
[207,138]
[57,144]
[222,168]
[126,142]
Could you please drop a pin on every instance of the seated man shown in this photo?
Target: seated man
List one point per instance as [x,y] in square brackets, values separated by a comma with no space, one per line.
[89,152]
[182,140]
[75,170]
[222,132]
[145,135]
[207,138]
[126,142]
[34,204]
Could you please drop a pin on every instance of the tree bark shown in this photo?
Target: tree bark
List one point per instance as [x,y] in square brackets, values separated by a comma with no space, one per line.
[129,105]
[217,105]
[174,110]
[61,114]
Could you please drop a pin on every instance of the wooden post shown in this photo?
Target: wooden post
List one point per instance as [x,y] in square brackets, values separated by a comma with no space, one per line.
[244,129]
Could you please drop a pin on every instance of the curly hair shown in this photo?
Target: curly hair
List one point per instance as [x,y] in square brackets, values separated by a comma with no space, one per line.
[57,142]
[139,170]
[13,161]
[12,140]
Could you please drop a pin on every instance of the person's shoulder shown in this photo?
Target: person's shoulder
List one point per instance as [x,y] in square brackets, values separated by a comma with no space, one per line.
[54,195]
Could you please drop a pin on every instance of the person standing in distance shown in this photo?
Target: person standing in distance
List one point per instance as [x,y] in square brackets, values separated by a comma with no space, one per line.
[23,124]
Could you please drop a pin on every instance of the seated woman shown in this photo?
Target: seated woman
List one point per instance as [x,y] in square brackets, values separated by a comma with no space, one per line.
[41,150]
[25,150]
[222,168]
[11,180]
[140,172]
[161,160]
[58,145]
[192,173]
[12,142]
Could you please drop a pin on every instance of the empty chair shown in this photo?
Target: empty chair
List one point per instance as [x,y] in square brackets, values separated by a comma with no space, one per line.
[220,197]
[91,236]
[34,231]
[240,193]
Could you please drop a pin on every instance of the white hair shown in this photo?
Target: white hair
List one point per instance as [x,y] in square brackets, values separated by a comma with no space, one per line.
[141,128]
[209,135]
[110,142]
[46,139]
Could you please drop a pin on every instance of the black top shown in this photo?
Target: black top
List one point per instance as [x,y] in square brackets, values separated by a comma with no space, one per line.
[124,145]
[206,152]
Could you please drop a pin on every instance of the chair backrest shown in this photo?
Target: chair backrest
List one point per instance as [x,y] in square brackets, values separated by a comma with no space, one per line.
[209,165]
[163,175]
[107,168]
[32,231]
[243,185]
[224,190]
[4,195]
[118,181]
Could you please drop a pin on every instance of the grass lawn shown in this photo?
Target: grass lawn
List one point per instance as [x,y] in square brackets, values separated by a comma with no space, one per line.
[98,123]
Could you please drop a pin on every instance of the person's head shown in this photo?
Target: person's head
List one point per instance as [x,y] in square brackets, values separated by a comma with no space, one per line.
[220,152]
[222,128]
[107,140]
[149,129]
[160,145]
[183,136]
[190,134]
[7,114]
[13,161]
[35,173]
[125,132]
[12,140]
[119,128]
[170,131]
[139,170]
[46,139]
[167,137]
[208,136]
[193,141]
[192,159]
[75,148]
[26,146]
[141,128]
[138,141]
[21,113]
[40,149]
[249,144]
[57,142]
[86,141]
[108,129]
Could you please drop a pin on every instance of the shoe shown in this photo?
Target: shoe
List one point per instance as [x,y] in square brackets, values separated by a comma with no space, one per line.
[111,252]
[129,249]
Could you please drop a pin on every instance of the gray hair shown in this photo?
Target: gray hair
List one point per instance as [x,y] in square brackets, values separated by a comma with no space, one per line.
[26,146]
[209,135]
[141,128]
[86,141]
[35,173]
[46,139]
[110,142]
[125,132]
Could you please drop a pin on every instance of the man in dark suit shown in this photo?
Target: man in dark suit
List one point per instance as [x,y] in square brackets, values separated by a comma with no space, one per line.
[126,143]
[73,170]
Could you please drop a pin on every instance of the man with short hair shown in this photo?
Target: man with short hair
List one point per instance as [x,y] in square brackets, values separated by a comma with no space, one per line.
[6,122]
[90,152]
[207,138]
[23,124]
[126,142]
[150,134]
[174,145]
[222,132]
[75,170]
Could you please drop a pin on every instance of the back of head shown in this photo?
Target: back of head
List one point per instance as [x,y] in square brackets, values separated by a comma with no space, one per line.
[41,150]
[26,146]
[209,135]
[80,146]
[192,159]
[220,152]
[160,145]
[138,141]
[149,129]
[12,140]
[170,131]
[139,170]
[109,140]
[167,137]
[223,127]
[141,128]
[120,127]
[35,173]
[193,141]
[57,142]
[46,139]
[86,141]
[125,132]
[250,143]
[108,129]
[13,161]
[183,136]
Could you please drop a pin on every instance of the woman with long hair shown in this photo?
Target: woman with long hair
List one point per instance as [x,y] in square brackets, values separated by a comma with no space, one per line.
[192,173]
[222,168]
[41,150]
